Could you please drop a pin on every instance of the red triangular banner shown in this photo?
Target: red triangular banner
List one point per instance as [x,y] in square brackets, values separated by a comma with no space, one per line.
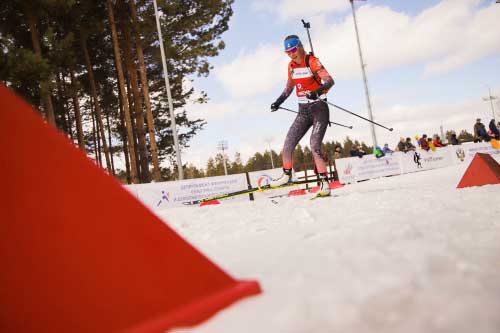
[483,170]
[78,253]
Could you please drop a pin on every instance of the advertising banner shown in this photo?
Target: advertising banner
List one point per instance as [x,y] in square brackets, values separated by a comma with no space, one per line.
[353,169]
[483,147]
[419,160]
[264,177]
[171,194]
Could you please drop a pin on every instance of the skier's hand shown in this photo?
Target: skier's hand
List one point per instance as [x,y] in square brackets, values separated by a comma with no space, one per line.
[313,95]
[276,105]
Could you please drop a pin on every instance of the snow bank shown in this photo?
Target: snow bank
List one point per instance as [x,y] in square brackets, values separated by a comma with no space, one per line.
[409,253]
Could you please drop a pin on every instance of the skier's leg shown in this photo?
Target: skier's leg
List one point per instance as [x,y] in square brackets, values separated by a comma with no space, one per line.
[321,116]
[296,132]
[299,128]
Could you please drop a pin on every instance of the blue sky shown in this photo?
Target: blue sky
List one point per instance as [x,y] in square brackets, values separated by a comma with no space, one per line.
[429,63]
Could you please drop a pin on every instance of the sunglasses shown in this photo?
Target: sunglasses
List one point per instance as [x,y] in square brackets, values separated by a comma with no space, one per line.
[292,50]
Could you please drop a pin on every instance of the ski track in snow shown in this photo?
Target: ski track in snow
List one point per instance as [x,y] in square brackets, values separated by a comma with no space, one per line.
[409,253]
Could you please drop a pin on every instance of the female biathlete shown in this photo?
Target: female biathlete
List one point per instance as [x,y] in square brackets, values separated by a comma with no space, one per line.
[311,82]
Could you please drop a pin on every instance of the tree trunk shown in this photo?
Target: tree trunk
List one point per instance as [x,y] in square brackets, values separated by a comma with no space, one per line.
[132,119]
[67,114]
[110,144]
[94,133]
[122,129]
[123,132]
[145,92]
[60,105]
[44,89]
[139,116]
[121,81]
[98,135]
[97,106]
[76,106]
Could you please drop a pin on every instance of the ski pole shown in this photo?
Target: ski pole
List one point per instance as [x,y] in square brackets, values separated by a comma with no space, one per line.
[331,122]
[307,26]
[357,115]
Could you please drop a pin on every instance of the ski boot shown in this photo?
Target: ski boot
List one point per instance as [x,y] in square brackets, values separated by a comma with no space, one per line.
[285,178]
[324,187]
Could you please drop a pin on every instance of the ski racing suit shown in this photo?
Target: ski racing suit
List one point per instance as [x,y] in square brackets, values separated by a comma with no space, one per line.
[313,113]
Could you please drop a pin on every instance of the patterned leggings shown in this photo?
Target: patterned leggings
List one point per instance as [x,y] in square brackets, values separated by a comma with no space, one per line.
[316,115]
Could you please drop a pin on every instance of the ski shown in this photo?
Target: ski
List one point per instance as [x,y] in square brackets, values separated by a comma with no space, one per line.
[247,191]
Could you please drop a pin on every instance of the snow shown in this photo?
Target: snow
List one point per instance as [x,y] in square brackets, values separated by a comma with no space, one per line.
[408,253]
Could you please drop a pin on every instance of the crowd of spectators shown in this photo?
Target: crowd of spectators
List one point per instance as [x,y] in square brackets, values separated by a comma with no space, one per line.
[483,134]
[425,143]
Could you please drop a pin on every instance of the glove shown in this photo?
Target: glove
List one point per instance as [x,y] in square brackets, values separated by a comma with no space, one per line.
[276,105]
[313,95]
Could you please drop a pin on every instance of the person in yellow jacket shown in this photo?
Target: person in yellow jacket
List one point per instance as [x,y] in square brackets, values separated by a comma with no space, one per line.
[431,144]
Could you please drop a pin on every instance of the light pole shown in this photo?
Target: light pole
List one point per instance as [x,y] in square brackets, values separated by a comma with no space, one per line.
[169,95]
[491,98]
[270,151]
[222,145]
[365,80]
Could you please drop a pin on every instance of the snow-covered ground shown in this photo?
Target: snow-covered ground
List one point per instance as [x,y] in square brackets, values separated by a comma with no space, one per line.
[409,253]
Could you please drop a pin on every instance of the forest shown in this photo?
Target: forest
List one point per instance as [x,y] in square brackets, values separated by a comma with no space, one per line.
[93,69]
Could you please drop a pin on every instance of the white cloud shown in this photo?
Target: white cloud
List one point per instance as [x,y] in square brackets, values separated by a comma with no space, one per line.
[289,9]
[210,111]
[442,38]
[477,37]
[253,72]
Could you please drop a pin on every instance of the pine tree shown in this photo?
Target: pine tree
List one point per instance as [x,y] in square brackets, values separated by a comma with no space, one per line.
[121,80]
[465,136]
[237,165]
[145,91]
[60,55]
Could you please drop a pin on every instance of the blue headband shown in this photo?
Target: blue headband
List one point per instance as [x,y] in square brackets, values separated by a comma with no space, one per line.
[291,43]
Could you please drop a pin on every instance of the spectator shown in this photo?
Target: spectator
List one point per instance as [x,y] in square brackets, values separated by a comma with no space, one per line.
[431,145]
[402,146]
[338,153]
[424,144]
[419,143]
[494,130]
[386,150]
[454,140]
[409,145]
[378,152]
[437,141]
[357,151]
[480,133]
